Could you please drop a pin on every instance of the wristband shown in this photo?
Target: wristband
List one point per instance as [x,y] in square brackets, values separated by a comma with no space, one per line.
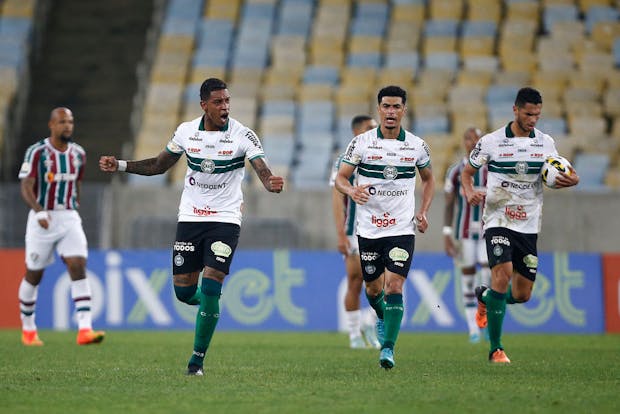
[122,165]
[446,230]
[42,215]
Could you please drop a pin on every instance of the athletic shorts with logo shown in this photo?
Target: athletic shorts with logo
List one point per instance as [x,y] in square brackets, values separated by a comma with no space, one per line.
[64,234]
[394,253]
[505,245]
[200,244]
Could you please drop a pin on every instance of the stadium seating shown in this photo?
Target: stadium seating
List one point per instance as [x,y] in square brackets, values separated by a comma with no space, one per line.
[300,69]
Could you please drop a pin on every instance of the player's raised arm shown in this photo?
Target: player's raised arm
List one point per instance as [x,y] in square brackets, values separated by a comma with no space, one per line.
[272,183]
[149,166]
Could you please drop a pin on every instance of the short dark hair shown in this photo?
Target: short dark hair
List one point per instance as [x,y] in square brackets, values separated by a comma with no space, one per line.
[210,85]
[527,95]
[392,90]
[358,119]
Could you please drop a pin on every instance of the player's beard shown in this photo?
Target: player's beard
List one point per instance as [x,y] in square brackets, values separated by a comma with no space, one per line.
[66,138]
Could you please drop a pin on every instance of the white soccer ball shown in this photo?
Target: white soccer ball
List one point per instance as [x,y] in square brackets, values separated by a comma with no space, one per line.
[551,169]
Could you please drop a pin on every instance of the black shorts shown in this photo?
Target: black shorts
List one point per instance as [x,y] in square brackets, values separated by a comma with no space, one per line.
[200,244]
[394,253]
[505,245]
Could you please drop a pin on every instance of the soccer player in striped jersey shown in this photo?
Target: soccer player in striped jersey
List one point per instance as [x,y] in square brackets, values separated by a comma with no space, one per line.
[51,177]
[469,249]
[512,210]
[361,325]
[215,147]
[386,159]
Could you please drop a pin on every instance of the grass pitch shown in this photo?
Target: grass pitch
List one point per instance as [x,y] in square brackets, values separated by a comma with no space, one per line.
[143,372]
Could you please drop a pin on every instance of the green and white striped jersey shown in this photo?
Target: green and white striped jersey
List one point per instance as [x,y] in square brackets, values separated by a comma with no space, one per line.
[215,169]
[389,167]
[514,196]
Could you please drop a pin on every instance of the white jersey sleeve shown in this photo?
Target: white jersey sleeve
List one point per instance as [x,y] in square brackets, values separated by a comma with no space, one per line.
[353,154]
[176,145]
[425,159]
[481,153]
[251,144]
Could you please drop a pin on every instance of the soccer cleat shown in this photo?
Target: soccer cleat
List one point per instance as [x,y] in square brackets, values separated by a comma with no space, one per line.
[386,358]
[31,338]
[474,338]
[195,370]
[481,312]
[88,336]
[357,342]
[380,328]
[370,334]
[498,357]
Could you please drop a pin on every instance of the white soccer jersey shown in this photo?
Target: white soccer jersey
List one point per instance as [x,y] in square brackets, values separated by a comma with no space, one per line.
[514,196]
[348,205]
[215,169]
[389,166]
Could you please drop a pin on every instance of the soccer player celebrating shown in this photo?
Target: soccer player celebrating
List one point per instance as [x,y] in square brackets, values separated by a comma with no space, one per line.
[344,217]
[513,210]
[386,159]
[215,146]
[470,248]
[51,178]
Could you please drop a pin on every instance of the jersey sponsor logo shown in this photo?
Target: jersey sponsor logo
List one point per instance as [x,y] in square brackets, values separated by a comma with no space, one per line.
[350,149]
[180,246]
[225,153]
[521,167]
[193,150]
[174,147]
[518,186]
[506,154]
[209,146]
[369,256]
[253,138]
[375,145]
[390,172]
[203,211]
[375,157]
[407,159]
[221,186]
[221,249]
[531,261]
[537,155]
[207,166]
[497,240]
[387,193]
[391,154]
[51,177]
[398,255]
[475,153]
[195,137]
[383,222]
[226,140]
[426,149]
[516,214]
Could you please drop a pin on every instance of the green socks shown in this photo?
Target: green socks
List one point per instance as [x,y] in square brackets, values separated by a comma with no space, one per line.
[377,303]
[206,319]
[496,309]
[393,317]
[509,299]
[188,294]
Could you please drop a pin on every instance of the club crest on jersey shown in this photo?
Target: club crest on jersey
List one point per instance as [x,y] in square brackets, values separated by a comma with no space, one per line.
[521,167]
[390,172]
[207,166]
[178,260]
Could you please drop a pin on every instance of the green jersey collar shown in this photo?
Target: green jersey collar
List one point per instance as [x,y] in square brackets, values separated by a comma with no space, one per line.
[401,134]
[201,127]
[510,134]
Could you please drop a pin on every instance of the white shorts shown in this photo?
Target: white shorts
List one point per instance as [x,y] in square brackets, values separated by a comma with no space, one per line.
[354,247]
[65,234]
[472,252]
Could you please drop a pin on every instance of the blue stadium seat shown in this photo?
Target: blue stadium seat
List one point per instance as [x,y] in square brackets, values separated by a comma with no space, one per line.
[216,34]
[276,108]
[184,9]
[321,74]
[442,60]
[443,28]
[479,28]
[553,126]
[616,51]
[427,125]
[501,95]
[598,14]
[558,13]
[592,168]
[15,27]
[403,60]
[371,59]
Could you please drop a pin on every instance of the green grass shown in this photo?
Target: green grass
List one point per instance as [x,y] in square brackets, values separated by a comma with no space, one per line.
[143,372]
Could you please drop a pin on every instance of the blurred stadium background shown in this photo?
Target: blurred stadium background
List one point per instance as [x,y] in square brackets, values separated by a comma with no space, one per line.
[298,70]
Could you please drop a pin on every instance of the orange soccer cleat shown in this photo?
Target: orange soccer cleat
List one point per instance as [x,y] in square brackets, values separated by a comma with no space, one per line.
[88,336]
[499,357]
[481,312]
[31,338]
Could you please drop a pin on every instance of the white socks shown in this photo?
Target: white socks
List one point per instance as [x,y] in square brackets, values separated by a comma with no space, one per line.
[80,293]
[469,302]
[27,296]
[354,323]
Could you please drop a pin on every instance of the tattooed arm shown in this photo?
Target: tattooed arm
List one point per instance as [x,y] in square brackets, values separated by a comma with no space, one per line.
[271,182]
[150,166]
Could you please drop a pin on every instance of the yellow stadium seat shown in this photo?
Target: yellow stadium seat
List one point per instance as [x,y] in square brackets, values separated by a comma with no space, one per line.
[596,63]
[469,77]
[276,91]
[315,92]
[435,44]
[365,44]
[18,8]
[198,74]
[611,102]
[169,72]
[463,120]
[288,77]
[569,31]
[612,178]
[465,96]
[512,78]
[477,46]
[582,109]
[519,62]
[363,77]
[604,33]
[180,44]
[552,106]
[523,10]
[408,13]
[594,82]
[584,5]
[350,109]
[225,10]
[434,109]
[484,10]
[395,76]
[351,93]
[446,9]
[279,124]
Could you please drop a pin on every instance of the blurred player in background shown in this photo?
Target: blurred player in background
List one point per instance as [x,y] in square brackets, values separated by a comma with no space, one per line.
[361,325]
[215,146]
[51,179]
[386,159]
[512,211]
[469,249]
